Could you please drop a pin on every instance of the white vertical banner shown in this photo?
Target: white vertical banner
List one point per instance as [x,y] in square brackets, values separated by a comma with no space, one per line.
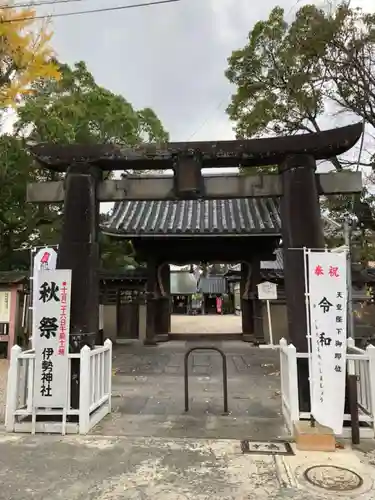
[328,328]
[5,298]
[52,320]
[44,260]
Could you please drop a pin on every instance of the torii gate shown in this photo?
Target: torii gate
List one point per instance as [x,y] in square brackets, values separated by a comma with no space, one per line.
[296,183]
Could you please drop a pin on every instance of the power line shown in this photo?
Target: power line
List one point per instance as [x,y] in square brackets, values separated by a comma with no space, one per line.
[296,4]
[37,4]
[208,118]
[93,11]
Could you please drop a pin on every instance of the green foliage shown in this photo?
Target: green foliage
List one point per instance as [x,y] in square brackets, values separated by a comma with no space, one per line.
[227,305]
[18,221]
[290,76]
[264,169]
[116,254]
[274,94]
[72,109]
[77,109]
[287,74]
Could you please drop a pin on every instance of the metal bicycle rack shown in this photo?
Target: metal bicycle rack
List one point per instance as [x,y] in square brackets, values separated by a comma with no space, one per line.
[225,375]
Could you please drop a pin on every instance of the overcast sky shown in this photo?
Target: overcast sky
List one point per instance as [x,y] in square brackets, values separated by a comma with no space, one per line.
[171,58]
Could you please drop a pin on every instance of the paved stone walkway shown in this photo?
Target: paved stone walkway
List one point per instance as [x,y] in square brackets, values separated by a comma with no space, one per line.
[208,323]
[150,449]
[118,468]
[148,392]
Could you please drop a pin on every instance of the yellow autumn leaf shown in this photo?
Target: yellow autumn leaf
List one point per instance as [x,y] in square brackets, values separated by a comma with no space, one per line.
[25,52]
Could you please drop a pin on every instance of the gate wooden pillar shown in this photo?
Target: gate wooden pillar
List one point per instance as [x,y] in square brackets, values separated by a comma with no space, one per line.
[257,306]
[168,305]
[301,227]
[163,314]
[246,306]
[151,308]
[79,251]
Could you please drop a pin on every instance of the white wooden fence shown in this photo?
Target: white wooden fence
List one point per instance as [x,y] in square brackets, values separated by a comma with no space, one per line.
[289,383]
[94,396]
[364,368]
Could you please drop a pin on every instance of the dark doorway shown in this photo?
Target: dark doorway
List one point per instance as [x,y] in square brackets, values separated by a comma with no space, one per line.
[128,320]
[180,304]
[210,304]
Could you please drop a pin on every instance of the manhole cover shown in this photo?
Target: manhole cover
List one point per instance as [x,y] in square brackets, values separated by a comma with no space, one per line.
[331,477]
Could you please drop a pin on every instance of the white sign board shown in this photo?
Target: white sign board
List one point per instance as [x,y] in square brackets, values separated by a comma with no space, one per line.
[267,291]
[44,260]
[328,327]
[101,316]
[5,307]
[52,319]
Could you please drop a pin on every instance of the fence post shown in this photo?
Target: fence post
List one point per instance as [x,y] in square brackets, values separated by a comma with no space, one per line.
[283,343]
[12,389]
[350,343]
[293,383]
[108,344]
[284,387]
[283,346]
[370,351]
[84,390]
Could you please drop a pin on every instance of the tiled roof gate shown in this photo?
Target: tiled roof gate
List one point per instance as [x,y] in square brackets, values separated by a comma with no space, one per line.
[195,217]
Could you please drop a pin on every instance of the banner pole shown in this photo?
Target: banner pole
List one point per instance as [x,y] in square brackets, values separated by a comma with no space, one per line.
[350,315]
[269,322]
[306,253]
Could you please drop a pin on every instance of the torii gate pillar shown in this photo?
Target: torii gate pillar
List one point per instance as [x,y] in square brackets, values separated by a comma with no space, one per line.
[301,227]
[79,251]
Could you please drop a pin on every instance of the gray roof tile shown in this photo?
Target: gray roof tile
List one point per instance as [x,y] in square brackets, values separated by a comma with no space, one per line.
[212,284]
[183,283]
[233,216]
[277,264]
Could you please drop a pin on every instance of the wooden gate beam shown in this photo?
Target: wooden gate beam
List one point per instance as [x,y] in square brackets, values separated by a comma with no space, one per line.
[215,187]
[212,154]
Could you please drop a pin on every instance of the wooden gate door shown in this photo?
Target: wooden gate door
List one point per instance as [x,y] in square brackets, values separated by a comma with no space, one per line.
[128,320]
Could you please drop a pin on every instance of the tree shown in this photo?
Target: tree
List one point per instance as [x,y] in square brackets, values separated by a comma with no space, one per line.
[289,77]
[25,53]
[77,109]
[26,57]
[115,253]
[15,217]
[73,109]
